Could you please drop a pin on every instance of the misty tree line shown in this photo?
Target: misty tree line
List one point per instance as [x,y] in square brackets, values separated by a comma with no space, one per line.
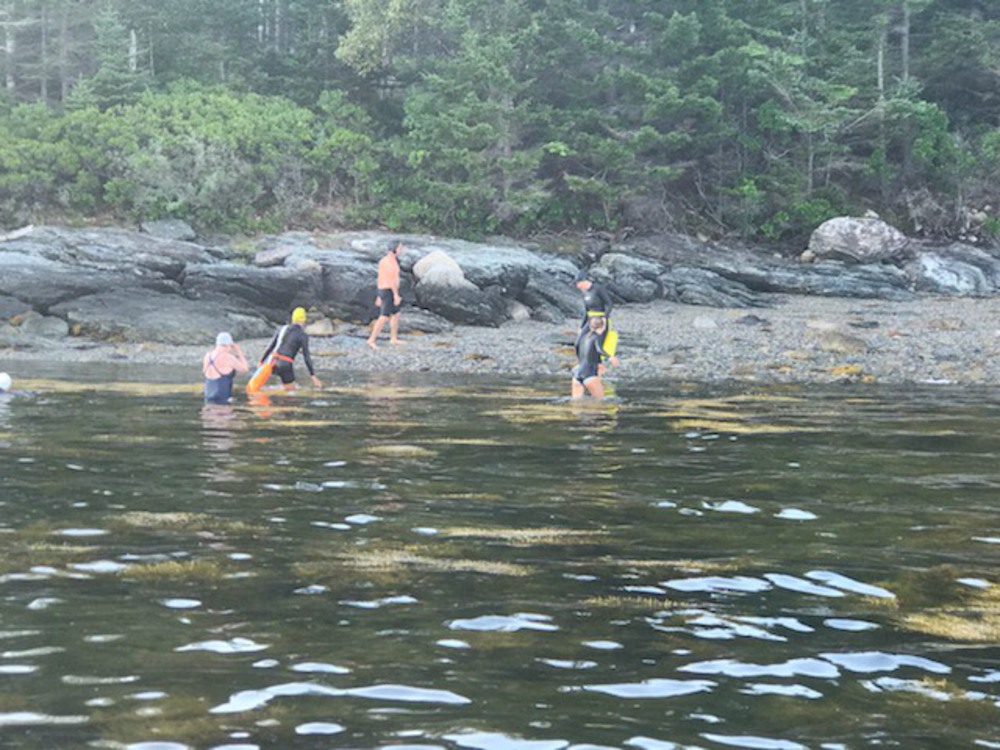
[471,117]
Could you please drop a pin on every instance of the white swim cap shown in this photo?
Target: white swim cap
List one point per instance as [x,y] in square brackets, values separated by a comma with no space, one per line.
[223,339]
[5,382]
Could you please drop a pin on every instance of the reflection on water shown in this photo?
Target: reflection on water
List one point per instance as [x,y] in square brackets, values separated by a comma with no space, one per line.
[493,566]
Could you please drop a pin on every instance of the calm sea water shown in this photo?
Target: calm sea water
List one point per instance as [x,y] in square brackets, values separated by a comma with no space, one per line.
[402,563]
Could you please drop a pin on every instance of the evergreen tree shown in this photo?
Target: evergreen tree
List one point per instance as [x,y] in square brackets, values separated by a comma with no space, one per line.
[119,78]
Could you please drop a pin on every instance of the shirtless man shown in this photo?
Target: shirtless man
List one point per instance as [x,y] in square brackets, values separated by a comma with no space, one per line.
[387,298]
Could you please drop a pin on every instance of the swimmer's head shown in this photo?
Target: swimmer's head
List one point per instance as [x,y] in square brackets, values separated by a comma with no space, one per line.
[224,339]
[5,382]
[583,279]
[299,315]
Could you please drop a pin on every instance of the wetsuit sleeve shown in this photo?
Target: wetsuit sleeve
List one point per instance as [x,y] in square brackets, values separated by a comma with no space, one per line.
[305,355]
[270,347]
[606,300]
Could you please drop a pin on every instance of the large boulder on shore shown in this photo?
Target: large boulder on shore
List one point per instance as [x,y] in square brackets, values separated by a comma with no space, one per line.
[443,289]
[466,305]
[141,315]
[437,268]
[856,240]
[271,293]
[957,269]
[630,279]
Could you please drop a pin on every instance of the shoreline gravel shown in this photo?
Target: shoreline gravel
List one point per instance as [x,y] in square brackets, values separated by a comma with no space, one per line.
[798,340]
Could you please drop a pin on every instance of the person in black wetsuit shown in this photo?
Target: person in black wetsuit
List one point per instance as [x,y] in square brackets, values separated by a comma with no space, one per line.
[286,344]
[590,353]
[597,303]
[596,300]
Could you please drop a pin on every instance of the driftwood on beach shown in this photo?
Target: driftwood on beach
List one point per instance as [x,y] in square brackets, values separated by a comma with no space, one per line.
[122,285]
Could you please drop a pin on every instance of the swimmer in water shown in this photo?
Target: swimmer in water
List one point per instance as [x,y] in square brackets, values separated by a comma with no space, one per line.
[591,354]
[286,344]
[220,366]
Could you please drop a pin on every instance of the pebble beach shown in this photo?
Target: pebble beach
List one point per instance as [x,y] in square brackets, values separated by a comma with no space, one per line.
[934,340]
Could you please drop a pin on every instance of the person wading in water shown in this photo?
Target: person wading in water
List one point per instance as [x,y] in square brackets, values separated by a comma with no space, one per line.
[220,367]
[286,344]
[590,352]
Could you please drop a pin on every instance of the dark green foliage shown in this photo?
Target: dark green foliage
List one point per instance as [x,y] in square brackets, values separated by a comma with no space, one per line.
[478,116]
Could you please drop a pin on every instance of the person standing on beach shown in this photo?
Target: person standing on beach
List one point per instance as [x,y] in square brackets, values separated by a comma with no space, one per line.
[596,300]
[220,366]
[597,303]
[590,352]
[387,297]
[286,344]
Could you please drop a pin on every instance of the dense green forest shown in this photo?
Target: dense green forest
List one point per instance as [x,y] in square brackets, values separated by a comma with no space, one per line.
[750,118]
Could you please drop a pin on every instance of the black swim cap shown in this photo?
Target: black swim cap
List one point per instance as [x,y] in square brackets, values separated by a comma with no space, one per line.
[583,275]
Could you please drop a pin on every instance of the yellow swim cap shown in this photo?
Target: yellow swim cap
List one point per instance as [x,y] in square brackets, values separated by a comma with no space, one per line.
[299,315]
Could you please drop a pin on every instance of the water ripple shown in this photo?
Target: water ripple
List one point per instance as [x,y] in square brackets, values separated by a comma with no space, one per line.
[603,645]
[29,652]
[795,514]
[709,584]
[499,741]
[319,727]
[896,685]
[793,583]
[379,603]
[248,700]
[70,679]
[99,566]
[792,691]
[653,688]
[453,643]
[849,584]
[408,694]
[755,743]
[731,506]
[33,719]
[878,661]
[44,602]
[17,669]
[567,664]
[232,646]
[803,667]
[180,603]
[505,624]
[648,743]
[319,667]
[850,626]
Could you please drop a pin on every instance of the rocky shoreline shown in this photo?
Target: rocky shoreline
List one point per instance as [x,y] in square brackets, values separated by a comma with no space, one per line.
[934,340]
[867,305]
